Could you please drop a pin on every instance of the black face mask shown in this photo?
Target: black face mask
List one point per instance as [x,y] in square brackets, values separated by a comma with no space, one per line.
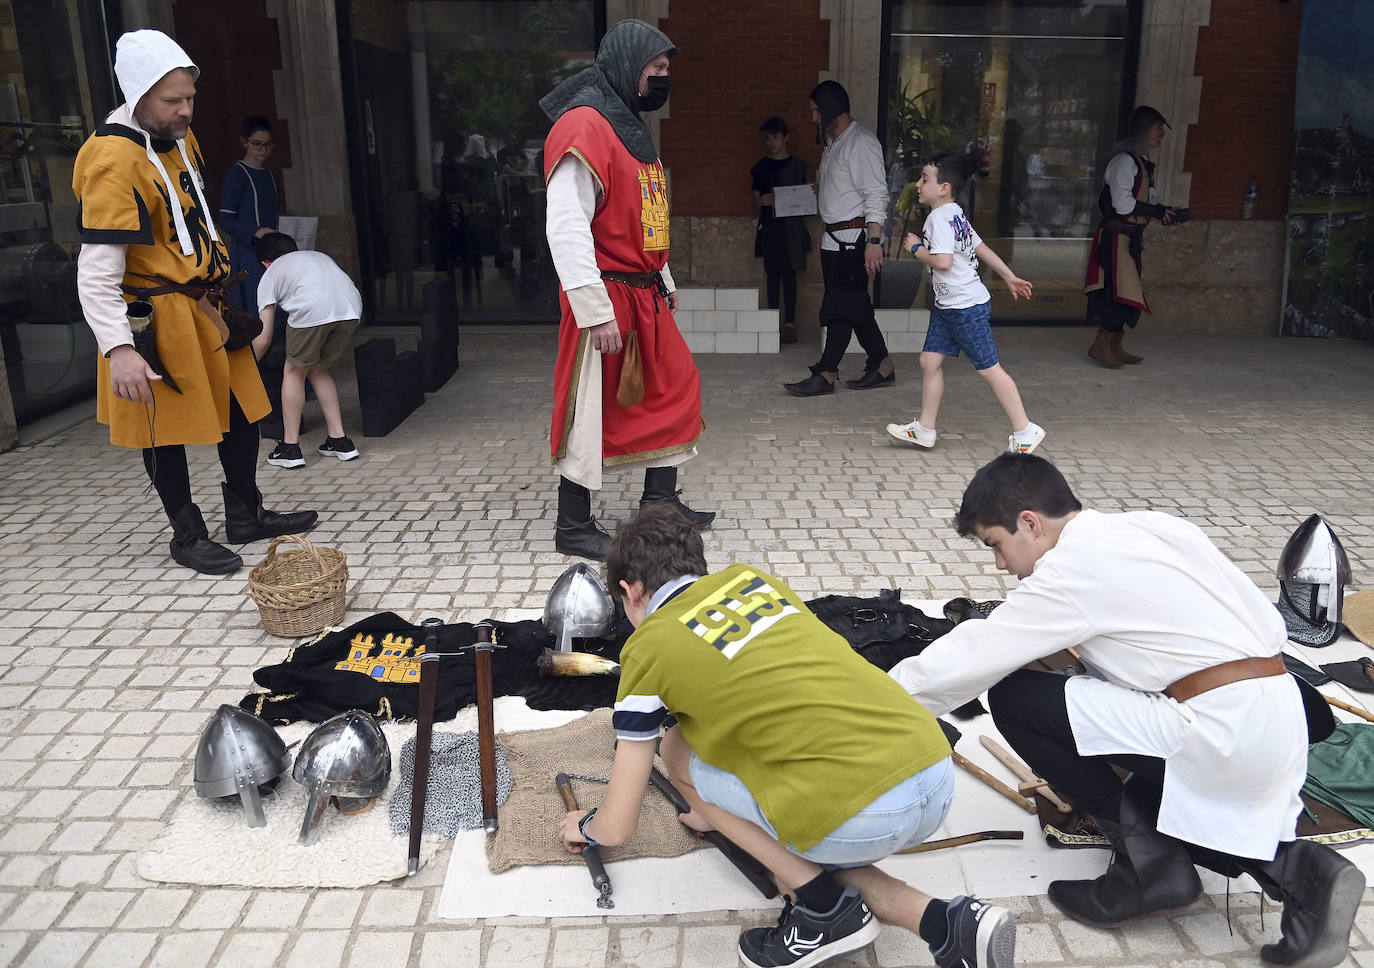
[658,93]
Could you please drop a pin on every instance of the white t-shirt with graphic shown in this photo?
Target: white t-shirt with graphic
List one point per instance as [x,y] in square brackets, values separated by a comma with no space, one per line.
[958,287]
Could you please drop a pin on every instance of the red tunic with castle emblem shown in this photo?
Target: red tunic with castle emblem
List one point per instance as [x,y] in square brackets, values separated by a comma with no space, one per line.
[630,234]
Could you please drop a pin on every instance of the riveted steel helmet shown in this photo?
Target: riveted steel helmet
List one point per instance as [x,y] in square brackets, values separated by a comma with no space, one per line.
[240,755]
[1313,572]
[346,756]
[578,607]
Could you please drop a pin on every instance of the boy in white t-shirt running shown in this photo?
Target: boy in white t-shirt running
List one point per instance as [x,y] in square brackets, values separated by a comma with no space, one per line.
[323,307]
[963,304]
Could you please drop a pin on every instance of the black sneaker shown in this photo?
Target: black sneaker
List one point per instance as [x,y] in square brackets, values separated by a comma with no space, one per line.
[286,455]
[803,937]
[980,936]
[340,447]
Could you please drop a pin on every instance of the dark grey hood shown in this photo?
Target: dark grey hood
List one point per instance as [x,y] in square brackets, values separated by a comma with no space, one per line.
[611,85]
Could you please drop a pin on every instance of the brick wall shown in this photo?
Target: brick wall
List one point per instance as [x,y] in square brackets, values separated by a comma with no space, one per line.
[1247,58]
[741,63]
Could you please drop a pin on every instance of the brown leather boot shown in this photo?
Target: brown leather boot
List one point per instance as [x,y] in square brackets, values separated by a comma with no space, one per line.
[1121,354]
[1102,351]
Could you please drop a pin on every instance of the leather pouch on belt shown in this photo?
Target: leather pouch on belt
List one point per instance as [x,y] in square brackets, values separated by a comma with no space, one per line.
[630,391]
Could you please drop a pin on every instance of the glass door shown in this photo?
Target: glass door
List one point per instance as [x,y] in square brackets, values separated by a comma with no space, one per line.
[450,148]
[1031,93]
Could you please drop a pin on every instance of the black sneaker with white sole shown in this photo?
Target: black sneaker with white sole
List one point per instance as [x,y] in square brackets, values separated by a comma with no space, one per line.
[980,936]
[340,447]
[286,455]
[804,938]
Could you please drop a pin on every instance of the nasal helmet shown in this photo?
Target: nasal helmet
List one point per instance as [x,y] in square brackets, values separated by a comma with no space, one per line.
[346,756]
[578,607]
[240,755]
[1313,572]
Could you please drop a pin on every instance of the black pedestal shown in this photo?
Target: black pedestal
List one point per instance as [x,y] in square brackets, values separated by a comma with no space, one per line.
[389,385]
[439,332]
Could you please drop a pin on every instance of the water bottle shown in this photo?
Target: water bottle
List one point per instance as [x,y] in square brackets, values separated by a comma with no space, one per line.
[1251,196]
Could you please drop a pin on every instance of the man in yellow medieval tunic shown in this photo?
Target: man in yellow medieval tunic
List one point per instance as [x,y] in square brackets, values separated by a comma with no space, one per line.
[145,230]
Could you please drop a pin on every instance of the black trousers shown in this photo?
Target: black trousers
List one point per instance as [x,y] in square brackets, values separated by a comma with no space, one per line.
[846,311]
[1108,314]
[238,456]
[1031,713]
[787,282]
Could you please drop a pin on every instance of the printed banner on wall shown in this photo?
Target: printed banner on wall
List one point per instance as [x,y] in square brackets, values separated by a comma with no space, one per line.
[1331,205]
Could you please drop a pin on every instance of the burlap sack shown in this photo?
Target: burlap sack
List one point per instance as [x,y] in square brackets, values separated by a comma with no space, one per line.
[1357,612]
[528,831]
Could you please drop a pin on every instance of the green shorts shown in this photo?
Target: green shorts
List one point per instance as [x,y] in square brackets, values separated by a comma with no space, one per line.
[324,345]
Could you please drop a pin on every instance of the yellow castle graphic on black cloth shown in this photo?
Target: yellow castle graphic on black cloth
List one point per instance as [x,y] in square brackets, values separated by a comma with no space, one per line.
[397,659]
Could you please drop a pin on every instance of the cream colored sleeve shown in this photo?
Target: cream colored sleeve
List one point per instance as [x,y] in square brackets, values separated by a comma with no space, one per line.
[668,279]
[568,223]
[99,273]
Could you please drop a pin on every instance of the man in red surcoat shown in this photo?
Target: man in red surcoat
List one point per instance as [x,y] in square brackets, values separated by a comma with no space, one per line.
[608,233]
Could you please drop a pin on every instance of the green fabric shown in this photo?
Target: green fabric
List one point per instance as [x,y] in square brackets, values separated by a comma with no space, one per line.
[763,689]
[1340,771]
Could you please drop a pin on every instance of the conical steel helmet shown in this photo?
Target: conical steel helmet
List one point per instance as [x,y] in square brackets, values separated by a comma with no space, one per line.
[346,756]
[238,754]
[578,607]
[1313,572]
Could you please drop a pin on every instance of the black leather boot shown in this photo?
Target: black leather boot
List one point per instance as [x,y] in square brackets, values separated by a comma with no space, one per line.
[1149,873]
[660,484]
[575,530]
[1320,891]
[192,548]
[244,523]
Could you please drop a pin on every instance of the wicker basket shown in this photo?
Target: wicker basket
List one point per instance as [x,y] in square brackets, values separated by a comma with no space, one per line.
[302,591]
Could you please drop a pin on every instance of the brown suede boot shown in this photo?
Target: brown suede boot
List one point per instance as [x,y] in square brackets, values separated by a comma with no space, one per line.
[1121,354]
[1102,351]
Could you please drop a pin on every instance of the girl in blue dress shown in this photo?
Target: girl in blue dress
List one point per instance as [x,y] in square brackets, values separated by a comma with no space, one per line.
[249,207]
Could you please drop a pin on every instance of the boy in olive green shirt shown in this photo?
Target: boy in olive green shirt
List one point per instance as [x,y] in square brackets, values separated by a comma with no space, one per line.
[787,742]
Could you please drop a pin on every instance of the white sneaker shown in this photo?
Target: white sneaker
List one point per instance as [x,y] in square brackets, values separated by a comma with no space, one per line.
[914,433]
[1025,441]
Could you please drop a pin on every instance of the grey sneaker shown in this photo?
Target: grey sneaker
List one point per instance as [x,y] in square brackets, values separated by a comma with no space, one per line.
[980,936]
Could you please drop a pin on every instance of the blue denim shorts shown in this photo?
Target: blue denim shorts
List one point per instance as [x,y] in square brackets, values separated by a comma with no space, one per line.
[904,816]
[968,329]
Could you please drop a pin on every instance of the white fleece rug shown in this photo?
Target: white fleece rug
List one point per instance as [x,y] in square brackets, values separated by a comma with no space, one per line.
[209,841]
[704,881]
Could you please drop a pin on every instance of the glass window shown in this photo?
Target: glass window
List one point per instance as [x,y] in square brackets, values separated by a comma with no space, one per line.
[1031,94]
[464,197]
[45,110]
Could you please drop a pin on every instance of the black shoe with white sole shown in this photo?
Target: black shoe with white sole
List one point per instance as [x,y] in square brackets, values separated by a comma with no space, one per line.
[340,447]
[804,937]
[980,936]
[286,455]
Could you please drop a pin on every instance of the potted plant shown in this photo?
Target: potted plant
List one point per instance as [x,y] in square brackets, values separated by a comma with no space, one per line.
[914,129]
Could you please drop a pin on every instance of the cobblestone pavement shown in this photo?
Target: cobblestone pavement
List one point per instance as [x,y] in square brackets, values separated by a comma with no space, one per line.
[112,657]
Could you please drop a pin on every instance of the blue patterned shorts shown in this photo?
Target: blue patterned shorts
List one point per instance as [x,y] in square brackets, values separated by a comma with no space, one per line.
[968,329]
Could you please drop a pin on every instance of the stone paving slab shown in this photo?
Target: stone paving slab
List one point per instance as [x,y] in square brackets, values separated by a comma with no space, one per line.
[112,657]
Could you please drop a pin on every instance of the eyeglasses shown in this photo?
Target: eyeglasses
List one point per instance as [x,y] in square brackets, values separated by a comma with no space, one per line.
[263,144]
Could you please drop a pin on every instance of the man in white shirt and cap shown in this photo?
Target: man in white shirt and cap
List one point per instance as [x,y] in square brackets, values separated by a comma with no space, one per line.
[167,374]
[852,199]
[1189,693]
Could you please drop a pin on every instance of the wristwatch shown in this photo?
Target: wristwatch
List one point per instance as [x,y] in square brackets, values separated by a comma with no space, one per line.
[582,828]
[874,241]
[916,246]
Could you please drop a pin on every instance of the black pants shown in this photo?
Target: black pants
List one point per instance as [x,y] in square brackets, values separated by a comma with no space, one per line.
[1108,314]
[238,456]
[787,282]
[1031,713]
[846,312]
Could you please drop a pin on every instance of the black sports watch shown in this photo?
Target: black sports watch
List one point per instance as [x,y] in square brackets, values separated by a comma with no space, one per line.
[874,241]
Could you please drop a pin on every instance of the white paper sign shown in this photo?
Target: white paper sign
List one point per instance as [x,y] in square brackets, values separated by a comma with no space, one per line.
[792,200]
[302,228]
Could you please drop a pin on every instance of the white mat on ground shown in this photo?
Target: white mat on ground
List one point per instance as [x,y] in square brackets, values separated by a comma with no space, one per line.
[704,881]
[210,842]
